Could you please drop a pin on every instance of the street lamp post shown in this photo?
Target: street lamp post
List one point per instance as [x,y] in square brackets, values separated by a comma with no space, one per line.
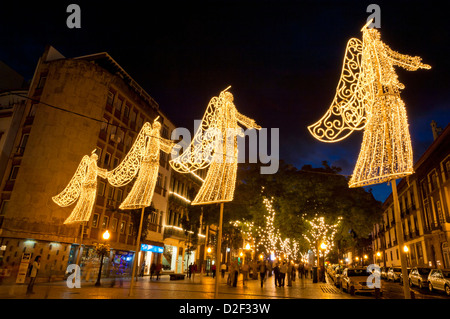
[103,250]
[323,247]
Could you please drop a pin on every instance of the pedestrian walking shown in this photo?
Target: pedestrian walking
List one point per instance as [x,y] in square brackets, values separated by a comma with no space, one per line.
[276,273]
[245,270]
[194,270]
[223,269]
[88,271]
[289,274]
[152,270]
[190,271]
[213,268]
[283,270]
[33,274]
[302,270]
[262,273]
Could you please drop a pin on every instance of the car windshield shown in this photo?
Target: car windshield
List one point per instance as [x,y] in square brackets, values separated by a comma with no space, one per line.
[357,272]
[446,274]
[424,271]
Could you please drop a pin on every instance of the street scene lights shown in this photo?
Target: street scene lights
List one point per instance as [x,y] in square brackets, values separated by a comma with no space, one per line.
[102,249]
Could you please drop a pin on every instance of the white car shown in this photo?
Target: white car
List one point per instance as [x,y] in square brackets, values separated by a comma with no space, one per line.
[439,279]
[355,280]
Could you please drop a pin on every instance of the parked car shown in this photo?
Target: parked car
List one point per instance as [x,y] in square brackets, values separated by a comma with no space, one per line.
[419,277]
[401,275]
[383,272]
[355,280]
[394,273]
[439,279]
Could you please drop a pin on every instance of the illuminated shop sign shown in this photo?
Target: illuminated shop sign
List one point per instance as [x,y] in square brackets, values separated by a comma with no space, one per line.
[154,249]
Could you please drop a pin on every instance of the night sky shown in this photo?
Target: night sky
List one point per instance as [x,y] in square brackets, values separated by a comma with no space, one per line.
[282,58]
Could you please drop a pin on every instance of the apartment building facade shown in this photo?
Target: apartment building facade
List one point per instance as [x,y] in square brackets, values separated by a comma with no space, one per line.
[424,200]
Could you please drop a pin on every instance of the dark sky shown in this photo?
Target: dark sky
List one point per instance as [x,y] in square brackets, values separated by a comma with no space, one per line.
[282,58]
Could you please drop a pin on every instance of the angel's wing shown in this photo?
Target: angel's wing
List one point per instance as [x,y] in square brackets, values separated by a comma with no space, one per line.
[72,191]
[199,153]
[347,112]
[129,167]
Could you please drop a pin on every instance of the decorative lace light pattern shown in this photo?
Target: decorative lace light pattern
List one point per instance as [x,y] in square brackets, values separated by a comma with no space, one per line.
[143,160]
[215,145]
[82,187]
[368,97]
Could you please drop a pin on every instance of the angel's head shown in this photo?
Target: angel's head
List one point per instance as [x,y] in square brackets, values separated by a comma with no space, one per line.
[156,125]
[94,155]
[228,96]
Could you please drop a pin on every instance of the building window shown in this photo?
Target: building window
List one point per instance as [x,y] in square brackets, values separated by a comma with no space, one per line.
[107,159]
[114,224]
[23,143]
[133,116]
[104,126]
[41,83]
[130,229]
[122,227]
[126,110]
[118,104]
[432,179]
[14,172]
[101,188]
[110,193]
[110,98]
[439,212]
[105,222]
[119,194]
[95,218]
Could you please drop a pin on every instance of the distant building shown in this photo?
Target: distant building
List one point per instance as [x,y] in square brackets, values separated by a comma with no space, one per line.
[56,130]
[424,199]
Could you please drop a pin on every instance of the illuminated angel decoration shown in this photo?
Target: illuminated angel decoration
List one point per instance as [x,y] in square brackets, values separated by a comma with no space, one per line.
[215,146]
[82,187]
[368,98]
[141,160]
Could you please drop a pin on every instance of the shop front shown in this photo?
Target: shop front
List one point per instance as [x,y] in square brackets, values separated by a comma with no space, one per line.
[150,254]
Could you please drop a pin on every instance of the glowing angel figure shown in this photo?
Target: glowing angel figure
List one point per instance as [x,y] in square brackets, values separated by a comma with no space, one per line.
[82,187]
[368,97]
[143,157]
[215,145]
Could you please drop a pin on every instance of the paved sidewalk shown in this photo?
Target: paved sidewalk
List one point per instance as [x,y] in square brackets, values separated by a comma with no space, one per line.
[198,288]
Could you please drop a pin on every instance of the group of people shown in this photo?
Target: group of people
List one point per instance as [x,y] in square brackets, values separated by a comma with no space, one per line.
[279,269]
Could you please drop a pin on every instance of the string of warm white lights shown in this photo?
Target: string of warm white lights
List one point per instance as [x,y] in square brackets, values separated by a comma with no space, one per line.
[143,157]
[321,232]
[267,237]
[141,160]
[368,97]
[215,146]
